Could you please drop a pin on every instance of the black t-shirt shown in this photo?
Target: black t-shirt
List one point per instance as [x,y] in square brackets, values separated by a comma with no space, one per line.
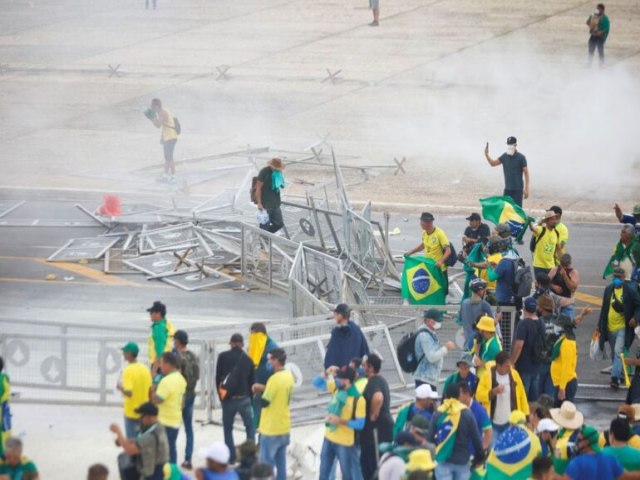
[512,166]
[384,422]
[270,198]
[526,330]
[481,233]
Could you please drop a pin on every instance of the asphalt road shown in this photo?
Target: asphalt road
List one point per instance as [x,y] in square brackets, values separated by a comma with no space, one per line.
[82,293]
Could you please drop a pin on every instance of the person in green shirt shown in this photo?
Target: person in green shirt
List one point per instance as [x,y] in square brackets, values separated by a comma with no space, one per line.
[619,435]
[14,466]
[489,346]
[598,24]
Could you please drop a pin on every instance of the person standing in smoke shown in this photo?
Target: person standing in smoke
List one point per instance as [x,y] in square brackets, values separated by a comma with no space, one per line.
[514,167]
[598,24]
[270,182]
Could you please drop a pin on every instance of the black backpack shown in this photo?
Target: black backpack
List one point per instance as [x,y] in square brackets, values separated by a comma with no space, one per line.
[176,125]
[406,351]
[534,240]
[452,258]
[522,279]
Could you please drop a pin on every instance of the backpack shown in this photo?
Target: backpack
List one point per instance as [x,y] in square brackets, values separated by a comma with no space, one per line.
[190,369]
[522,279]
[534,240]
[406,351]
[253,190]
[452,258]
[541,347]
[176,125]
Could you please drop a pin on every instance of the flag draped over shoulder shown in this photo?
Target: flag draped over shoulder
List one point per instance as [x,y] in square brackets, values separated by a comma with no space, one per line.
[620,253]
[476,255]
[422,282]
[505,210]
[512,454]
[446,428]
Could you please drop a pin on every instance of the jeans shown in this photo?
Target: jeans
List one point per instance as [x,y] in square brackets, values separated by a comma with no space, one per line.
[516,195]
[354,461]
[172,437]
[131,427]
[531,383]
[187,419]
[331,451]
[569,393]
[596,42]
[230,407]
[451,471]
[273,450]
[616,342]
[275,220]
[546,384]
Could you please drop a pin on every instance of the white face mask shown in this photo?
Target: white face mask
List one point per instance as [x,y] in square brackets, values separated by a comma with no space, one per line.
[437,325]
[511,149]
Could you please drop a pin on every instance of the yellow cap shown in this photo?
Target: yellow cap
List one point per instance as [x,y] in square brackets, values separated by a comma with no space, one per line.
[420,459]
[486,324]
[517,418]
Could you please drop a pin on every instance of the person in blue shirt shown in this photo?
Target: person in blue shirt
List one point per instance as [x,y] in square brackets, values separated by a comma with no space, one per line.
[631,219]
[591,464]
[479,414]
[347,340]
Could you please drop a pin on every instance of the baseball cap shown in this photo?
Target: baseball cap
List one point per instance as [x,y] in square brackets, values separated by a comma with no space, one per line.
[217,451]
[512,141]
[425,391]
[181,336]
[434,314]
[464,359]
[342,309]
[530,304]
[132,348]
[591,435]
[517,418]
[503,230]
[147,408]
[474,216]
[426,217]
[236,338]
[405,438]
[158,307]
[347,373]
[547,425]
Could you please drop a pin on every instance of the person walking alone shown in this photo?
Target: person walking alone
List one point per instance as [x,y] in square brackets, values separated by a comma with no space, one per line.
[270,182]
[514,167]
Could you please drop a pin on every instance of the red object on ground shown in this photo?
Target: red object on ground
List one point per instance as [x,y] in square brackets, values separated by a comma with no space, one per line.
[110,206]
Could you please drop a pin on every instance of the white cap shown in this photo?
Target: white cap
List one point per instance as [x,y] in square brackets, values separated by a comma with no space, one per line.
[424,391]
[547,425]
[218,452]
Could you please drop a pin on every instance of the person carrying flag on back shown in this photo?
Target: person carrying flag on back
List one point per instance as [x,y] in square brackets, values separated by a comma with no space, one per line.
[451,428]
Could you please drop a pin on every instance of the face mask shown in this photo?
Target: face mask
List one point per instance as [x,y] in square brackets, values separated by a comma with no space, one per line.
[437,326]
[617,282]
[339,384]
[511,149]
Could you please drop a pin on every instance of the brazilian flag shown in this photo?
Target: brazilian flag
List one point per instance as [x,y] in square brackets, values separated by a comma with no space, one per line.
[512,454]
[476,255]
[620,253]
[505,210]
[422,282]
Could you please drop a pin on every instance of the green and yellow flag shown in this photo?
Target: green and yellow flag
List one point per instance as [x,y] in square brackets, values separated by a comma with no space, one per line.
[446,428]
[512,454]
[422,282]
[505,210]
[621,254]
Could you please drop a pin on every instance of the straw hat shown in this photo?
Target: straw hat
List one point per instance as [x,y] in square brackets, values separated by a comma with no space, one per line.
[276,164]
[547,215]
[420,459]
[567,416]
[486,324]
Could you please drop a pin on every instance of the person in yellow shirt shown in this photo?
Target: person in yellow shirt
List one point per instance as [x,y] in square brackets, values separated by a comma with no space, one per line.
[564,361]
[561,228]
[435,243]
[134,385]
[5,411]
[162,118]
[545,244]
[169,396]
[275,420]
[347,412]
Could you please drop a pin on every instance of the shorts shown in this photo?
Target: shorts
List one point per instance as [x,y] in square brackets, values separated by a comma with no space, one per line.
[374,4]
[169,147]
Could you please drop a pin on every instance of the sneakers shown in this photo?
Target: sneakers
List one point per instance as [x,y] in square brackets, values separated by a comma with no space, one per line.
[374,24]
[615,384]
[187,465]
